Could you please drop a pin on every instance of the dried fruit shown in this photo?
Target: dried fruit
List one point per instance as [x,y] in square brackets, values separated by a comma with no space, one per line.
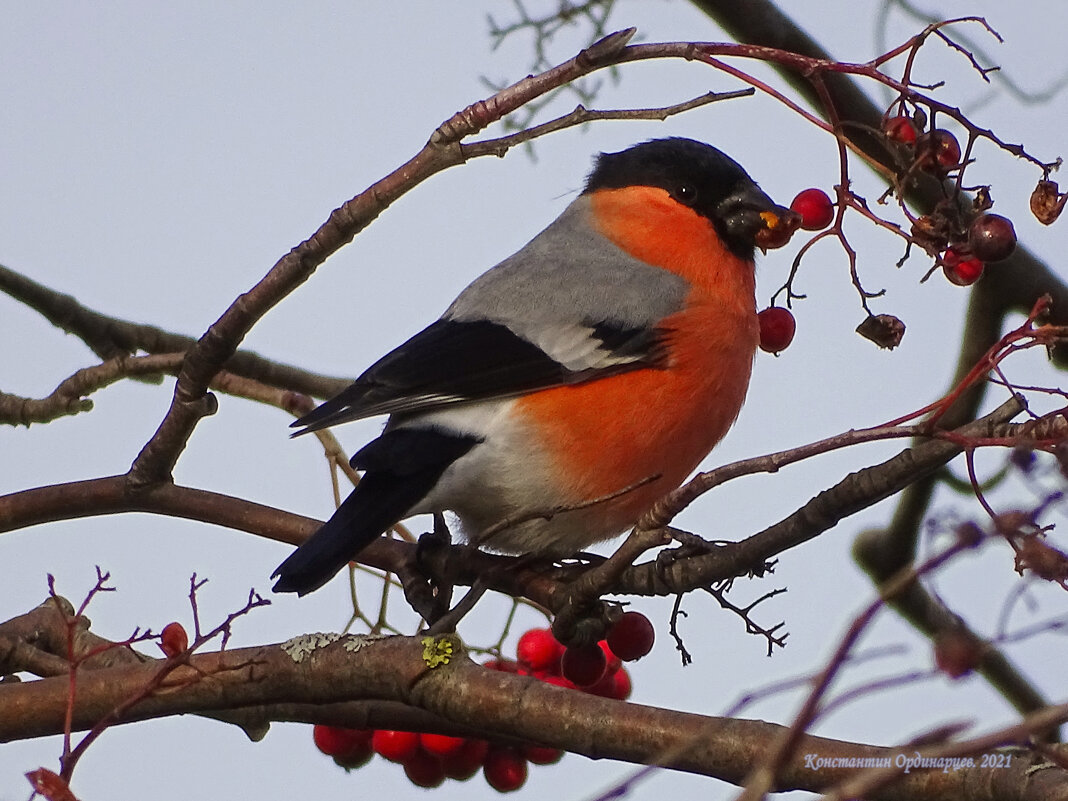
[1047,202]
[885,330]
[1042,559]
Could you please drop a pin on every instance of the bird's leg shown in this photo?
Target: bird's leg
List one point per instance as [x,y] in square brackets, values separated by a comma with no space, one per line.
[690,544]
[429,596]
[447,621]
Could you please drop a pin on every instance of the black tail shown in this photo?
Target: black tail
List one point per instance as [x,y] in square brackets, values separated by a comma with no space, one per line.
[402,466]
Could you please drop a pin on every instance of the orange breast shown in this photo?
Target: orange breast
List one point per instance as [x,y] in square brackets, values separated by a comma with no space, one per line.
[614,432]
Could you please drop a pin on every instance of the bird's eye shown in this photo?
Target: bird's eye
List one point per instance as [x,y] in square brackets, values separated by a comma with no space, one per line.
[686,194]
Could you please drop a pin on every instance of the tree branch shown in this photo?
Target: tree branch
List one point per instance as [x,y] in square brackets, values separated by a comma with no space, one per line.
[392,669]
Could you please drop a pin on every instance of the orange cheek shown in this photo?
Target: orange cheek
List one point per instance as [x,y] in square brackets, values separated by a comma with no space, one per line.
[651,226]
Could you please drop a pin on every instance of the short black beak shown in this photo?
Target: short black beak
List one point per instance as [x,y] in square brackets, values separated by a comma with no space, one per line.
[750,216]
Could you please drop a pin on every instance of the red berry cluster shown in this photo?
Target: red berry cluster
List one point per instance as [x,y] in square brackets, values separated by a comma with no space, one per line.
[989,238]
[964,247]
[595,669]
[429,759]
[936,151]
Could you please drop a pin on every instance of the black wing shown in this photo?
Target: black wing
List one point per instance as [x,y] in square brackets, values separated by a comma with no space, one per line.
[454,361]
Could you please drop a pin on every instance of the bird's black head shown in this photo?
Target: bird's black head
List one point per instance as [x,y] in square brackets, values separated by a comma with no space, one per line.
[701,177]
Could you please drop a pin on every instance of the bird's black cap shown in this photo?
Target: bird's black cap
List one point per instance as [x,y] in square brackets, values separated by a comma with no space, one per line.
[696,175]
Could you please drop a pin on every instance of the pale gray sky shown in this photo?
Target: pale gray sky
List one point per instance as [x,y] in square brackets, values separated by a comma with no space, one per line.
[156,162]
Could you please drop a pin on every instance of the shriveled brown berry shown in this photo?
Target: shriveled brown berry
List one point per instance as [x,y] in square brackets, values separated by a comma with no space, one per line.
[929,232]
[1042,559]
[1047,202]
[885,330]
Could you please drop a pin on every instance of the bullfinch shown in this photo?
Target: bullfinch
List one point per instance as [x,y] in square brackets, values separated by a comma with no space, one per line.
[590,372]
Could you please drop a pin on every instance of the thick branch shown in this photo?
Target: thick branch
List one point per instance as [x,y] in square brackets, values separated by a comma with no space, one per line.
[497,703]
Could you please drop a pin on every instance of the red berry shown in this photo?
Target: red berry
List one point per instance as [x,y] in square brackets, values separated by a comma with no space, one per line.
[539,649]
[465,763]
[957,654]
[631,637]
[583,664]
[560,681]
[937,151]
[991,237]
[777,327]
[901,129]
[173,640]
[424,770]
[357,756]
[542,754]
[505,769]
[960,270]
[396,746]
[612,663]
[613,685]
[621,685]
[815,208]
[779,226]
[952,257]
[328,739]
[503,665]
[441,745]
[350,748]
